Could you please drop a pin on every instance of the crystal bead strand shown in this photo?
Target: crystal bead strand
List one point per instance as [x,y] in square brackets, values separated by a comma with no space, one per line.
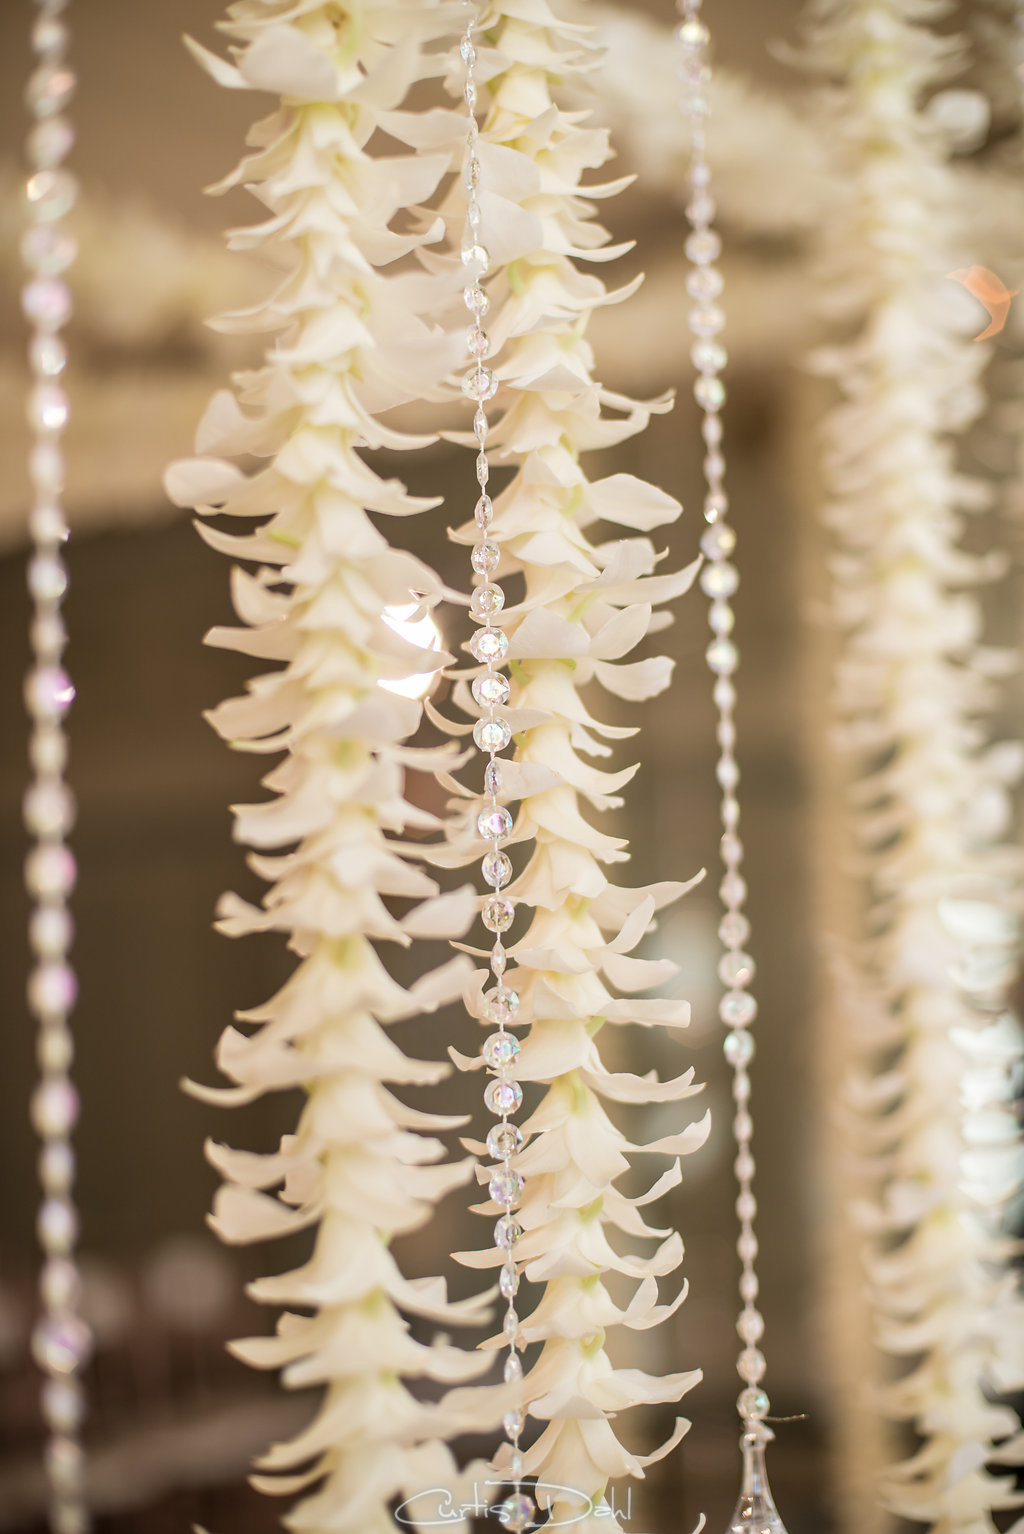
[719,580]
[61,1340]
[492,733]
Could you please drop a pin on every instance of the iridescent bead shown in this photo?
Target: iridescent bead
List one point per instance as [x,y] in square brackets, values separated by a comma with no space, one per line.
[718,542]
[48,355]
[709,393]
[498,915]
[490,689]
[480,384]
[61,1344]
[722,656]
[59,1283]
[711,429]
[501,1005]
[55,1048]
[63,1404]
[736,968]
[57,1225]
[49,809]
[731,849]
[746,1210]
[701,208]
[496,869]
[483,472]
[513,1423]
[498,959]
[48,408]
[469,94]
[714,466]
[499,1051]
[516,1512]
[720,579]
[734,928]
[751,1365]
[51,194]
[48,251]
[493,779]
[50,872]
[707,321]
[505,1187]
[476,300]
[704,283]
[46,467]
[693,34]
[749,1287]
[467,52]
[708,356]
[513,1371]
[46,302]
[703,246]
[54,1108]
[478,342]
[494,823]
[753,1404]
[716,504]
[49,142]
[48,747]
[486,601]
[503,1097]
[746,1246]
[737,1009]
[507,1232]
[485,558]
[49,90]
[510,1325]
[476,255]
[57,1166]
[721,618]
[50,930]
[492,734]
[738,1048]
[504,1140]
[508,1281]
[52,988]
[725,734]
[741,1088]
[733,889]
[480,426]
[742,1129]
[489,645]
[47,577]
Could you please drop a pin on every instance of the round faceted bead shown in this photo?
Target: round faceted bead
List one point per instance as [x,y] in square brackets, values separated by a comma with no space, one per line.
[498,914]
[705,282]
[516,1512]
[501,1005]
[490,689]
[505,1186]
[496,869]
[717,542]
[485,557]
[474,254]
[480,384]
[709,393]
[494,823]
[486,601]
[476,300]
[488,645]
[508,1281]
[492,734]
[746,1210]
[503,1097]
[737,1009]
[738,1047]
[500,1050]
[55,1048]
[716,504]
[742,1129]
[507,1232]
[706,321]
[61,1344]
[751,1365]
[721,579]
[504,1140]
[701,208]
[722,656]
[721,617]
[47,577]
[736,969]
[703,247]
[753,1404]
[734,928]
[733,889]
[54,1108]
[708,356]
[746,1246]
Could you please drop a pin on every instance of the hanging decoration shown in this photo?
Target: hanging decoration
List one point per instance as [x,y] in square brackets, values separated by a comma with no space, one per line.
[61,1341]
[582,607]
[755,1509]
[916,687]
[352,342]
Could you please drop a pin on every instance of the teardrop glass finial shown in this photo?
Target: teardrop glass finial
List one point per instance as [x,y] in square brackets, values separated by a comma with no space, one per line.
[755,1512]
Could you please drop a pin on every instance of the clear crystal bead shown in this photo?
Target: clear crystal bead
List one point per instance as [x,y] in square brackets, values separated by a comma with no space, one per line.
[734,928]
[737,1009]
[498,915]
[743,1130]
[489,645]
[483,471]
[503,1097]
[746,1209]
[708,356]
[718,542]
[494,823]
[486,601]
[516,1512]
[707,321]
[57,1164]
[499,1051]
[693,34]
[54,1108]
[57,1225]
[701,208]
[497,869]
[480,384]
[51,194]
[741,1088]
[478,343]
[490,689]
[498,959]
[63,1404]
[485,558]
[508,1281]
[492,778]
[709,393]
[751,1365]
[61,1344]
[49,90]
[731,849]
[46,302]
[721,579]
[504,1140]
[476,300]
[48,408]
[510,1324]
[492,734]
[480,426]
[705,282]
[722,656]
[703,246]
[49,809]
[746,1246]
[738,1048]
[749,1285]
[467,52]
[507,1232]
[50,872]
[506,1186]
[501,1005]
[48,355]
[49,142]
[513,1423]
[51,931]
[721,618]
[736,968]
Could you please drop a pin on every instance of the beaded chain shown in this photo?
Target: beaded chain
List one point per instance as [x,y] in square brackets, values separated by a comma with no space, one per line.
[719,579]
[492,733]
[61,1341]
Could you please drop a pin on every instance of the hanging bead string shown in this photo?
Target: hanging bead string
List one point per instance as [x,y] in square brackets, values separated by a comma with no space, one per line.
[719,580]
[493,734]
[61,1341]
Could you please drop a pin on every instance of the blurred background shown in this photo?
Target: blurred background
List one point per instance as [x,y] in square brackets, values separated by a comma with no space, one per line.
[175,1421]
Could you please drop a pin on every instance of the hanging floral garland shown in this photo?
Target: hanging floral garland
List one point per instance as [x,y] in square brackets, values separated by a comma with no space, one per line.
[352,342]
[915,686]
[584,607]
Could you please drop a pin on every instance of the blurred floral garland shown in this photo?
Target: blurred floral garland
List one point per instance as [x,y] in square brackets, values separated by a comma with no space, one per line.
[927,992]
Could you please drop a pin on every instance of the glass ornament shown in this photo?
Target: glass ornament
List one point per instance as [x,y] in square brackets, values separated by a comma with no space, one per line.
[755,1511]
